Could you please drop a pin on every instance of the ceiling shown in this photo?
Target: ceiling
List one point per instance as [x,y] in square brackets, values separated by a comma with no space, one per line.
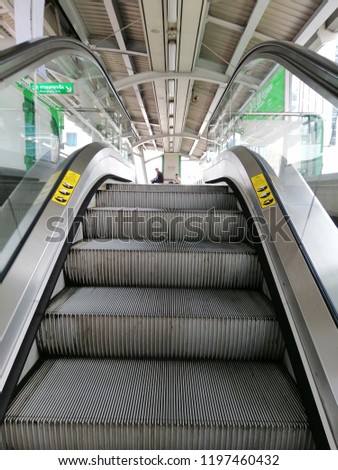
[170,60]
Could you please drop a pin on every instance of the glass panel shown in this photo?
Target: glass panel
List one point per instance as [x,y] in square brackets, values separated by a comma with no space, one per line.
[54,108]
[191,171]
[274,113]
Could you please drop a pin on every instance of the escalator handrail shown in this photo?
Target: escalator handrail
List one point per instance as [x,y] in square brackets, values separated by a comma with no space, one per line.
[289,221]
[307,307]
[266,170]
[26,282]
[316,71]
[47,197]
[27,54]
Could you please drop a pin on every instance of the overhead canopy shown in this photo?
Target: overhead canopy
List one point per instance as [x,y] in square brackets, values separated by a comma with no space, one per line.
[170,60]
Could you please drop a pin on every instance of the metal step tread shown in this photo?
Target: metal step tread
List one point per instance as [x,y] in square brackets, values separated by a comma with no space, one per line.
[162,302]
[162,323]
[126,404]
[166,196]
[180,224]
[167,188]
[160,210]
[132,263]
[180,246]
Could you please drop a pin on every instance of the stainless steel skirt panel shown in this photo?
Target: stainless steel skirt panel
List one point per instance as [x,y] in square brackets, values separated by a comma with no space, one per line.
[164,323]
[129,404]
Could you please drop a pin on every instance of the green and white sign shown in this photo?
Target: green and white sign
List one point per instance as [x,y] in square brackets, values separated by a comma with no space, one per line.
[53,88]
[270,98]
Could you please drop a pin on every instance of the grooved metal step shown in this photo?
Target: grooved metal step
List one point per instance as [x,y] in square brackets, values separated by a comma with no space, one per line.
[130,404]
[163,264]
[164,225]
[167,188]
[166,196]
[163,323]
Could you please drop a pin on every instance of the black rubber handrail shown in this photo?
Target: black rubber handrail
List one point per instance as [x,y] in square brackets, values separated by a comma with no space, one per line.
[215,175]
[316,71]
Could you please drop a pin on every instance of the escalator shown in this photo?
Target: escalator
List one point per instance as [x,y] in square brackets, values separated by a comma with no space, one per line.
[167,318]
[160,344]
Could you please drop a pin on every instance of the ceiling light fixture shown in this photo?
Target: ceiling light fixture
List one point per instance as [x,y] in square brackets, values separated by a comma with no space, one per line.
[171,88]
[172,56]
[171,107]
[172,11]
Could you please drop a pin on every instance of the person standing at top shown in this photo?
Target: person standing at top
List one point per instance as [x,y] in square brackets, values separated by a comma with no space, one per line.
[159,178]
[177,179]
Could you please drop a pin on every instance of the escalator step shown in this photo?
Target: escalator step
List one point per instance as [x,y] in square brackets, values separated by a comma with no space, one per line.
[164,323]
[130,404]
[158,225]
[132,263]
[166,196]
[168,188]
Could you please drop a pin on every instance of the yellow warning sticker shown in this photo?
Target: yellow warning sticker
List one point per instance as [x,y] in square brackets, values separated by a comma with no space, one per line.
[66,188]
[263,191]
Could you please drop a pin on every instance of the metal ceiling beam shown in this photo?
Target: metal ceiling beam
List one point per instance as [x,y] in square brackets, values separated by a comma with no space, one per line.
[212,107]
[235,27]
[256,16]
[8,28]
[332,23]
[48,30]
[203,75]
[8,7]
[153,20]
[193,18]
[183,135]
[247,34]
[191,24]
[116,24]
[75,19]
[144,77]
[135,48]
[154,32]
[208,64]
[206,69]
[320,16]
[183,99]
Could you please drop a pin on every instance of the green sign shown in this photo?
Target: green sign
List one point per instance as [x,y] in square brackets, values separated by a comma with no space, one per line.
[53,88]
[270,98]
